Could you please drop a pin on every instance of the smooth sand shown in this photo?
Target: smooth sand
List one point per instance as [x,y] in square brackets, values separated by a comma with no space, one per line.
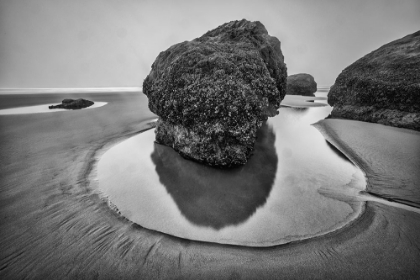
[389,156]
[55,226]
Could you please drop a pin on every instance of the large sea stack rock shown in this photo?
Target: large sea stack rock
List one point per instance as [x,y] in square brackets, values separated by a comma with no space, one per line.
[73,104]
[382,87]
[213,93]
[301,84]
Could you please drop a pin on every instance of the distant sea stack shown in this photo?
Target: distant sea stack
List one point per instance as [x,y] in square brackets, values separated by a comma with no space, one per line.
[213,93]
[382,87]
[73,104]
[301,84]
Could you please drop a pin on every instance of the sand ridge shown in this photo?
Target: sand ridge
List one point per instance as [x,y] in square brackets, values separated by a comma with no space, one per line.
[388,155]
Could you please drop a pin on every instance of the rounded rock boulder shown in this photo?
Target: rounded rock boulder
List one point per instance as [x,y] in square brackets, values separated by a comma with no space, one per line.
[301,84]
[213,93]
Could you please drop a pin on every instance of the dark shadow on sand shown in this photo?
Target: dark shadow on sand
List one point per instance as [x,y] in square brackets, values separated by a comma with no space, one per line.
[338,152]
[215,197]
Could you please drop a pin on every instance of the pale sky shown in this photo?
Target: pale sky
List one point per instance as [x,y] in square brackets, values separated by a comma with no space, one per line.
[113,43]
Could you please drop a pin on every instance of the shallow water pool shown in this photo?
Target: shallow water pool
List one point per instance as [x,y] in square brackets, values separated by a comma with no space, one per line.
[280,195]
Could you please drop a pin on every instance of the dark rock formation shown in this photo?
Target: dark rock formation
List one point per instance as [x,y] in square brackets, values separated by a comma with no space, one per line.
[382,87]
[213,93]
[301,84]
[73,104]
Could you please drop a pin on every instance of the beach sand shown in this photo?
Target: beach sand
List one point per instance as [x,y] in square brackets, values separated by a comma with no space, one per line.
[54,225]
[389,156]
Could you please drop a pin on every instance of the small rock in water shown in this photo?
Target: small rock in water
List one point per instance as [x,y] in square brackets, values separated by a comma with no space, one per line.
[73,104]
[213,93]
[301,84]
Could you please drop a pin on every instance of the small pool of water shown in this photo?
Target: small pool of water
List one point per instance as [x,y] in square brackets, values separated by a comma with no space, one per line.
[286,192]
[43,109]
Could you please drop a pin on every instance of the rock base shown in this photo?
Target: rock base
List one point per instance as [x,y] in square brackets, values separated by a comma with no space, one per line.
[382,116]
[214,149]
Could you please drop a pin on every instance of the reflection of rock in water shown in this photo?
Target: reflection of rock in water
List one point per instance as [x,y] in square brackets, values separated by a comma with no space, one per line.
[215,197]
[300,110]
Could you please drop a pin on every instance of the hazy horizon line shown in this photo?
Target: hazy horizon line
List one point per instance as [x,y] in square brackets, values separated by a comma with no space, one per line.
[69,90]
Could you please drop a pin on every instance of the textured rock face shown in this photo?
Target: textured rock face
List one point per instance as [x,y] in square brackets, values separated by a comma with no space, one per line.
[213,93]
[301,84]
[382,87]
[73,104]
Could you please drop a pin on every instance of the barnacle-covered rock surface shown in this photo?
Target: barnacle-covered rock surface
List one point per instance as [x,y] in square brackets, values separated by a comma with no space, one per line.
[382,87]
[213,93]
[301,84]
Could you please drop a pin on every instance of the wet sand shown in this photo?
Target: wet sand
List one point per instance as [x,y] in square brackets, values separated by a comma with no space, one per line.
[55,226]
[389,156]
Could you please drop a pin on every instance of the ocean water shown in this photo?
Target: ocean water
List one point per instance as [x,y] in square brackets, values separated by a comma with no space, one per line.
[13,98]
[286,192]
[15,101]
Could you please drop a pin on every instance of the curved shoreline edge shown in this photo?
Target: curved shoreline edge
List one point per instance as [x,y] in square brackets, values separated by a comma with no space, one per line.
[90,172]
[354,237]
[388,156]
